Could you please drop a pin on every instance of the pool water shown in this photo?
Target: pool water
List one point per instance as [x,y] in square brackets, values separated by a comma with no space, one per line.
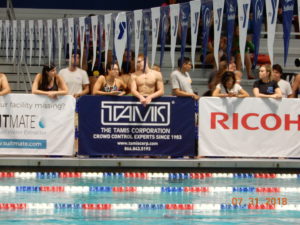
[151,207]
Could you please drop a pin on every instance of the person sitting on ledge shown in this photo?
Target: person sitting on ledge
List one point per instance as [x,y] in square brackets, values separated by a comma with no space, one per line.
[181,81]
[228,87]
[146,84]
[265,87]
[4,86]
[49,83]
[110,84]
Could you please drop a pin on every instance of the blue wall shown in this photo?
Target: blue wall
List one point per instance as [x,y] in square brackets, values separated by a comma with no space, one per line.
[85,4]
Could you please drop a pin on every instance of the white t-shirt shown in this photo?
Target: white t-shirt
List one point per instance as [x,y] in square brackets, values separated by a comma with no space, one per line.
[74,79]
[285,88]
[235,90]
[182,81]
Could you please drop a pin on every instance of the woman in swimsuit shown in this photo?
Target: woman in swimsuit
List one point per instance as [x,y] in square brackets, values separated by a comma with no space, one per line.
[49,83]
[110,84]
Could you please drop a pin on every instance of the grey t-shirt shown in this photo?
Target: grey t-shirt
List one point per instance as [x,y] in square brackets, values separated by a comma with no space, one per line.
[285,88]
[182,81]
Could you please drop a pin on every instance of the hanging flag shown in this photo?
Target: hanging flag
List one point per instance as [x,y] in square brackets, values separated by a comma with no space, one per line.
[120,38]
[70,37]
[218,8]
[271,10]
[155,17]
[130,30]
[31,39]
[7,35]
[76,31]
[40,34]
[206,18]
[81,35]
[298,4]
[138,15]
[243,15]
[195,7]
[288,10]
[107,27]
[94,23]
[164,27]
[14,38]
[87,37]
[174,18]
[22,40]
[59,39]
[100,36]
[184,23]
[1,29]
[230,17]
[65,37]
[50,39]
[146,31]
[257,9]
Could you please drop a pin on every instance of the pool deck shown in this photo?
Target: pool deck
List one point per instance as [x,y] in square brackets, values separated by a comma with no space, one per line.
[78,163]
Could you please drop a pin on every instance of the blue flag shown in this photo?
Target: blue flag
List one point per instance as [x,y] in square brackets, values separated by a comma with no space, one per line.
[130,30]
[100,34]
[164,24]
[184,22]
[288,9]
[257,8]
[87,36]
[76,29]
[65,38]
[230,7]
[206,18]
[147,29]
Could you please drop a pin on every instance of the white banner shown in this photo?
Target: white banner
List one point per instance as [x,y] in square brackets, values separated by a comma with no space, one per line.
[7,34]
[82,36]
[107,27]
[155,17]
[94,24]
[22,40]
[271,11]
[14,38]
[36,125]
[60,32]
[233,127]
[120,38]
[174,18]
[70,37]
[218,8]
[243,15]
[1,29]
[40,34]
[31,39]
[195,7]
[50,39]
[138,15]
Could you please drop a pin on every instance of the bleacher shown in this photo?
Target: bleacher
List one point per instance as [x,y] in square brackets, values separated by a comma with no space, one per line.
[21,83]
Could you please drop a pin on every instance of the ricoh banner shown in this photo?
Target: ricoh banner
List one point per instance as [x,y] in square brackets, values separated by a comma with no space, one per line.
[250,127]
[110,125]
[36,125]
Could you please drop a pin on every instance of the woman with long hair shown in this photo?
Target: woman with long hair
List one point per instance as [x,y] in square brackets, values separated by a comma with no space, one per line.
[110,84]
[266,87]
[228,87]
[49,83]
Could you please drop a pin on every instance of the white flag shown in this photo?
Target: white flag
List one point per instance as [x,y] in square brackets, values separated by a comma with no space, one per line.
[218,7]
[174,14]
[120,37]
[14,33]
[22,40]
[50,39]
[243,15]
[94,23]
[155,17]
[7,34]
[195,7]
[31,37]
[0,32]
[41,33]
[70,37]
[271,10]
[107,27]
[59,39]
[82,36]
[138,16]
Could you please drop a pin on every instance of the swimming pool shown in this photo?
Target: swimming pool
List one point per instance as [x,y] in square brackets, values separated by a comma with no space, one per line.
[149,198]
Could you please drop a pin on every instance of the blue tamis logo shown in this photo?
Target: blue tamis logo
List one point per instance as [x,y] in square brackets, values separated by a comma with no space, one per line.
[133,114]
